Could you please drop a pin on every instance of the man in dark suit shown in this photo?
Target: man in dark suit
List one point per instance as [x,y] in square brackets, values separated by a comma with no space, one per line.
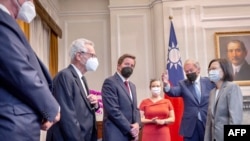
[26,102]
[121,116]
[195,93]
[78,120]
[236,53]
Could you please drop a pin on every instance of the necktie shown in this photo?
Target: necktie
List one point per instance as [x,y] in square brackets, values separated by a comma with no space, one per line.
[86,90]
[198,94]
[197,91]
[85,87]
[128,89]
[127,86]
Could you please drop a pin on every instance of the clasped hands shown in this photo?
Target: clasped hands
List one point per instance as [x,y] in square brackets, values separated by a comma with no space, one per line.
[158,121]
[134,131]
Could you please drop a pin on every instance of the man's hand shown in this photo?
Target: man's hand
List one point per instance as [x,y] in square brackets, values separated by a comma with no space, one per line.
[134,131]
[47,124]
[165,77]
[93,100]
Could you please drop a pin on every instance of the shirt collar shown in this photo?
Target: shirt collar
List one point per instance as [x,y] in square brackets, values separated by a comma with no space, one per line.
[77,71]
[237,68]
[4,9]
[197,81]
[123,79]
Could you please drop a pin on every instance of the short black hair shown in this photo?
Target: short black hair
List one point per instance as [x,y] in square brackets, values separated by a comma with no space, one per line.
[226,68]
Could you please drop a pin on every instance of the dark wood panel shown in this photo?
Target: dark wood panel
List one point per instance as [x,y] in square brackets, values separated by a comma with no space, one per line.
[99,129]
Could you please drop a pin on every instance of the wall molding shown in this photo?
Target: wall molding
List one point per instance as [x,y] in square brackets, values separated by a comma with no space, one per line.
[223,18]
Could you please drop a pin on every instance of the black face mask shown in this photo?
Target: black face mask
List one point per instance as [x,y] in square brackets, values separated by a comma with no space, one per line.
[126,72]
[191,76]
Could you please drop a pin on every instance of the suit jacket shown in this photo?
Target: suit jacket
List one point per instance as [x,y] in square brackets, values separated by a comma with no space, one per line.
[226,109]
[243,73]
[78,120]
[186,90]
[25,86]
[119,110]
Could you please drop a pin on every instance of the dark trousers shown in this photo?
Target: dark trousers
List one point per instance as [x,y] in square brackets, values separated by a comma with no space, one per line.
[199,133]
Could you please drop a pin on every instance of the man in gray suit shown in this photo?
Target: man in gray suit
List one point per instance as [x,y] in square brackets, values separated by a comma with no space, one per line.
[26,102]
[195,93]
[78,120]
[121,116]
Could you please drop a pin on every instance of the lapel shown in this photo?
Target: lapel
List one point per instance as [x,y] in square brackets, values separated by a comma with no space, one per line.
[134,96]
[212,99]
[121,83]
[85,84]
[222,89]
[132,92]
[192,91]
[216,100]
[203,86]
[78,82]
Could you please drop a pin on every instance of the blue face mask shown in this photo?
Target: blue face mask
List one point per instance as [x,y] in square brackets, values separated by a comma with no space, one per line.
[214,75]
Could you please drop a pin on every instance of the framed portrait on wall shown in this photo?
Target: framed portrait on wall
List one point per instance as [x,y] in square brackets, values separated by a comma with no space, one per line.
[235,46]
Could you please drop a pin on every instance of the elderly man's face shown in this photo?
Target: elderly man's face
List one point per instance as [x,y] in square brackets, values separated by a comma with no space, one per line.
[235,53]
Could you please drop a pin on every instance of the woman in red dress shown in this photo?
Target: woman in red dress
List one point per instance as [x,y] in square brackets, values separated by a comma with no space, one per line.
[156,114]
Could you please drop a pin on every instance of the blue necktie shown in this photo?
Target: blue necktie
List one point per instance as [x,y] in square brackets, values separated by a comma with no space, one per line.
[197,91]
[198,94]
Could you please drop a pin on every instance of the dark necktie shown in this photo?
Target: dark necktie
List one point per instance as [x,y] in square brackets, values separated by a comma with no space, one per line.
[127,86]
[85,85]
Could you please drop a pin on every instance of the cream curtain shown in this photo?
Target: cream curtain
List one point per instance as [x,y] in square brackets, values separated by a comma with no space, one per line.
[40,39]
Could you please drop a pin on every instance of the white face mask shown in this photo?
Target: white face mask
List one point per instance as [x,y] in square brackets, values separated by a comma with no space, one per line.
[156,90]
[27,11]
[92,64]
[214,75]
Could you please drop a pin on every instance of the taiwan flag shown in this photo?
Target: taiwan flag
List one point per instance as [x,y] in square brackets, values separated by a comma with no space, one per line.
[175,73]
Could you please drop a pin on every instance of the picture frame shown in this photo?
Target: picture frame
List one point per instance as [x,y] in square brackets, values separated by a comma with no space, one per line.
[221,41]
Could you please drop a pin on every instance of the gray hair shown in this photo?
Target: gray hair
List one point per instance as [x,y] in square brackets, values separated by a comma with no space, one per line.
[191,61]
[78,45]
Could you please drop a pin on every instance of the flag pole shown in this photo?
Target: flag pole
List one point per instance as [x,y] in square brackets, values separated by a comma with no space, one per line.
[175,75]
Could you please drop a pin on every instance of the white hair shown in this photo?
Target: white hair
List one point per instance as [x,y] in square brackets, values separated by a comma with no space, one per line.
[192,61]
[78,45]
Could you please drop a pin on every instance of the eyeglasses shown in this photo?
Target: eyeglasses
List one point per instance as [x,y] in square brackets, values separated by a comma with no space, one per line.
[91,54]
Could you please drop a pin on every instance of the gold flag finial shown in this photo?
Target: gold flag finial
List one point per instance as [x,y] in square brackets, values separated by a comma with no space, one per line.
[170,17]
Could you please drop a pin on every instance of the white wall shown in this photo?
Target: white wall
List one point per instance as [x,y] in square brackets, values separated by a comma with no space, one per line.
[141,27]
